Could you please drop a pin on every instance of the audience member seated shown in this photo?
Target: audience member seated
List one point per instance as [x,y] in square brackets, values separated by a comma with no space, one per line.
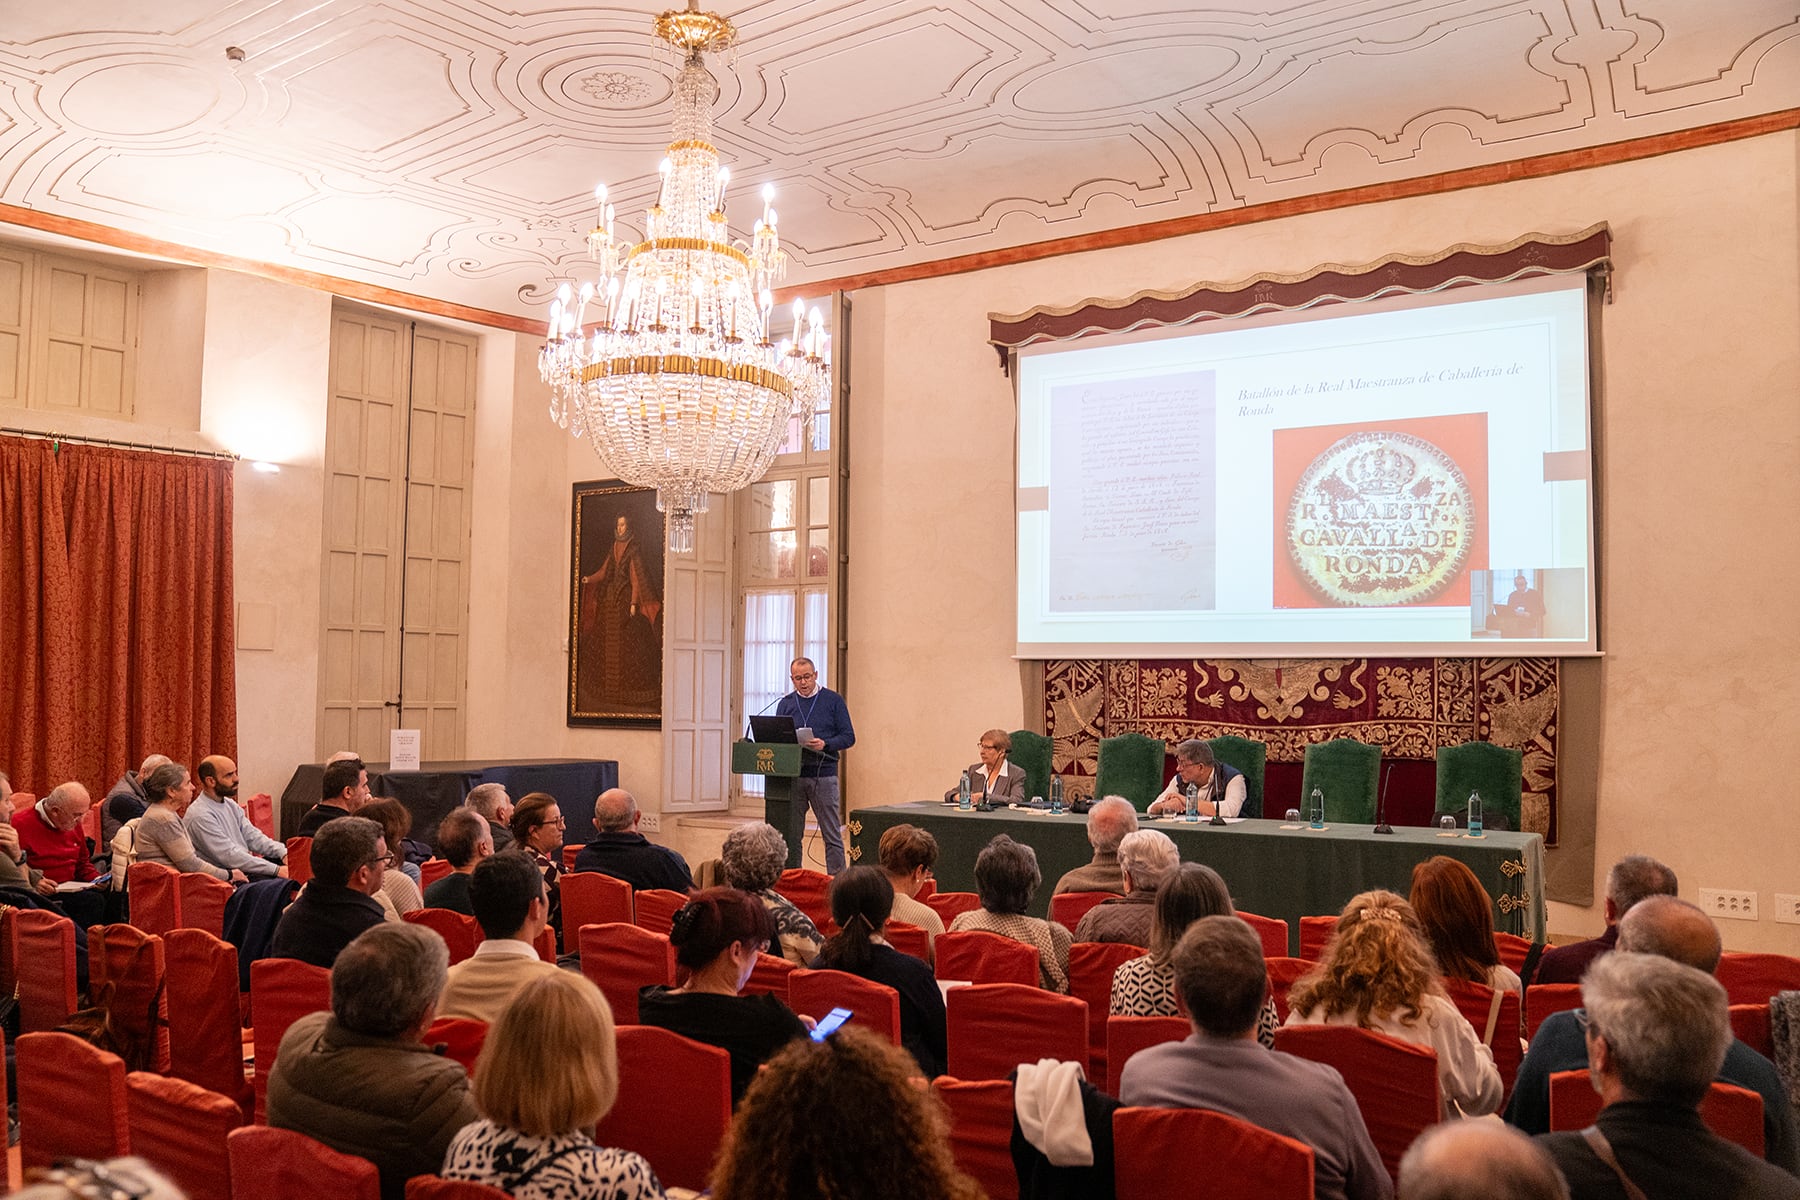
[1108,821]
[1478,1160]
[717,936]
[1630,880]
[619,850]
[492,802]
[1146,857]
[507,893]
[345,788]
[1681,932]
[861,899]
[1006,878]
[1219,972]
[993,780]
[537,829]
[1378,974]
[357,1078]
[159,836]
[788,1140]
[751,861]
[50,834]
[349,857]
[1656,1034]
[14,872]
[463,840]
[909,855]
[399,893]
[1145,987]
[548,1073]
[126,800]
[1219,785]
[1457,915]
[221,831]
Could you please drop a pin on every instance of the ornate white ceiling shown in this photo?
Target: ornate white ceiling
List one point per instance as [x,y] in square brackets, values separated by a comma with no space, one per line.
[450,149]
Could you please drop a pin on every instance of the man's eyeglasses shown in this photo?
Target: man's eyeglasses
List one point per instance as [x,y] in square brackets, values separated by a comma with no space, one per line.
[390,860]
[803,676]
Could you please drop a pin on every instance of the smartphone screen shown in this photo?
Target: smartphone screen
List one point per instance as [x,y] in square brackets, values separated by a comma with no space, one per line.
[829,1025]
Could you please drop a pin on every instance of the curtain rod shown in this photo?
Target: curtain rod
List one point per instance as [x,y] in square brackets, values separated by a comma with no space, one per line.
[78,439]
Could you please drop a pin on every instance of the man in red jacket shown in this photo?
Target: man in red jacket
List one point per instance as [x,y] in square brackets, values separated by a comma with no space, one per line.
[50,833]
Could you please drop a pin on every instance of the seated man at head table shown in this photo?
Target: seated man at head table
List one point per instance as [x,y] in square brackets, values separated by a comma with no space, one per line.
[993,777]
[1221,784]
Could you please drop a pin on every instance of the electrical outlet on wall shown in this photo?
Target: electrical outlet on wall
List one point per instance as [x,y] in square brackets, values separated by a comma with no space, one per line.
[1733,905]
[649,822]
[1787,909]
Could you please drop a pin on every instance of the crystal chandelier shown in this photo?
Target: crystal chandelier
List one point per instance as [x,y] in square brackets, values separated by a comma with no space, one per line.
[668,362]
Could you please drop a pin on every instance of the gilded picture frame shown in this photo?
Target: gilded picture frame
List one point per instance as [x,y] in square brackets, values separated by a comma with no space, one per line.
[615,606]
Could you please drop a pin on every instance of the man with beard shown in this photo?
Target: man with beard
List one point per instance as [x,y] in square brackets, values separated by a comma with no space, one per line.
[220,831]
[623,652]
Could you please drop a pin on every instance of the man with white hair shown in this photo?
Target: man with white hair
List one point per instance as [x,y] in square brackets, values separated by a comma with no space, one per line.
[1145,857]
[13,871]
[127,801]
[492,802]
[1108,821]
[1219,786]
[50,833]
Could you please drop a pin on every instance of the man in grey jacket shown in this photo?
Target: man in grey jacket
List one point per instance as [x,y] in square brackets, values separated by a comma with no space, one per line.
[221,832]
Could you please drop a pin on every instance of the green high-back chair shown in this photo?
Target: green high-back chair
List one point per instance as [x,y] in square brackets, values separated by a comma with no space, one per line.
[1031,752]
[1252,758]
[1497,772]
[1348,772]
[1131,765]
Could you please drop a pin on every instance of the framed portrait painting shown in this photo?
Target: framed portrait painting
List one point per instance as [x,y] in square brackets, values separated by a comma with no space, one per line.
[615,606]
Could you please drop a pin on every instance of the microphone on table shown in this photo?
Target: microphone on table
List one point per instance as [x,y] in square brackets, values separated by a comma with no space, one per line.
[750,733]
[1381,825]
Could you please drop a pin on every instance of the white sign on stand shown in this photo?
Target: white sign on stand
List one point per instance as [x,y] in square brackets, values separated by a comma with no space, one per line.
[403,750]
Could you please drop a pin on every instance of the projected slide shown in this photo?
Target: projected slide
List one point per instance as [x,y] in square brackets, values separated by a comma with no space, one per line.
[1363,479]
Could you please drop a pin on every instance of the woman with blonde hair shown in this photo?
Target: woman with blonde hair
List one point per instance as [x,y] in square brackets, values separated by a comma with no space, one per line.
[1378,973]
[548,1072]
[791,1138]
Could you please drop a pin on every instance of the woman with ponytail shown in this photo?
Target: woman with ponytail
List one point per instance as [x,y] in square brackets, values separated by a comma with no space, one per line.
[861,900]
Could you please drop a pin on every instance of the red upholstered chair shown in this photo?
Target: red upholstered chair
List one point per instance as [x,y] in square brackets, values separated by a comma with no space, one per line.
[590,898]
[260,808]
[570,854]
[436,1187]
[655,908]
[1125,1036]
[1753,978]
[155,901]
[1274,933]
[1395,1083]
[1067,908]
[1732,1112]
[664,1073]
[1751,1025]
[1476,1003]
[928,888]
[993,1027]
[982,957]
[130,964]
[809,891]
[279,1164]
[620,959]
[201,900]
[949,905]
[981,1121]
[908,939]
[461,1038]
[45,945]
[71,1100]
[1315,932]
[770,974]
[1514,950]
[299,859]
[461,932]
[1283,972]
[282,990]
[1091,967]
[1155,1149]
[182,1129]
[1542,999]
[545,945]
[876,1005]
[9,951]
[205,1033]
[432,870]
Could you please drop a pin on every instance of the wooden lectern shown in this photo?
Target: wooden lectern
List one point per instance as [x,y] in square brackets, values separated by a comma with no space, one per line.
[779,764]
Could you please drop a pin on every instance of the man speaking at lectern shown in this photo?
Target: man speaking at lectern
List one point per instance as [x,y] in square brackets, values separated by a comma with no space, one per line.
[823,712]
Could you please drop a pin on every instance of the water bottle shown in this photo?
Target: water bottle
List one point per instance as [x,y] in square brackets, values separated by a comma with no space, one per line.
[1056,804]
[1474,814]
[1193,802]
[1318,809]
[962,793]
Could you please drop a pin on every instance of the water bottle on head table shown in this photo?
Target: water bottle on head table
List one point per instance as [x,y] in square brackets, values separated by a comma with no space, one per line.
[1193,802]
[962,792]
[1318,809]
[1474,814]
[1056,794]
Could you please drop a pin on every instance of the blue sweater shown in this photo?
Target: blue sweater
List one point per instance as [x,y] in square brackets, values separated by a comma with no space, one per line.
[829,719]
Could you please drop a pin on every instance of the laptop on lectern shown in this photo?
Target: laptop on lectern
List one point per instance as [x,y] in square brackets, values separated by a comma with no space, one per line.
[773,727]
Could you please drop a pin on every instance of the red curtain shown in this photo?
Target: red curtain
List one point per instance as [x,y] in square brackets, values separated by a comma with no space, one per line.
[37,703]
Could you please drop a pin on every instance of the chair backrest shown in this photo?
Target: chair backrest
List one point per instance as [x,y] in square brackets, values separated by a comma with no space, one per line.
[950,905]
[436,1187]
[1753,978]
[131,963]
[432,870]
[1732,1112]
[260,808]
[983,957]
[460,931]
[545,944]
[1272,932]
[1131,765]
[770,975]
[1497,772]
[590,898]
[664,1073]
[205,1026]
[570,854]
[808,891]
[993,1027]
[282,990]
[71,1100]
[1067,908]
[1155,1149]
[299,859]
[1348,772]
[285,1165]
[876,1005]
[1315,935]
[1542,999]
[155,898]
[201,901]
[461,1038]
[1514,950]
[182,1128]
[46,968]
[908,939]
[981,1121]
[1125,1036]
[1283,972]
[1091,967]
[1476,1003]
[655,908]
[9,950]
[1395,1083]
[622,958]
[1033,753]
[1250,757]
[1751,1025]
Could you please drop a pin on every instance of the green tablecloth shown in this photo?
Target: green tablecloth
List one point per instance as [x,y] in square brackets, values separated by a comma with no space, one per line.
[1276,872]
